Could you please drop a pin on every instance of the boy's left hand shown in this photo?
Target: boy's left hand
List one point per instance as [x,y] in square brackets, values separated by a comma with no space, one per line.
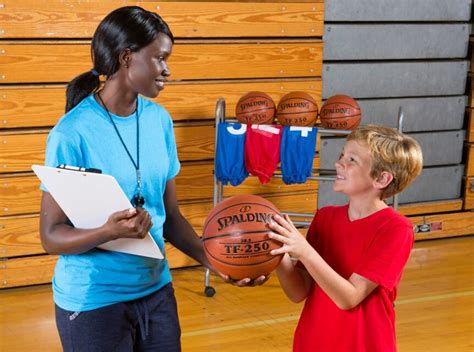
[294,243]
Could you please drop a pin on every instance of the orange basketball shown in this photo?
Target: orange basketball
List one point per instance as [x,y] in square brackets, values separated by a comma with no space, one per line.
[340,112]
[256,108]
[297,109]
[236,239]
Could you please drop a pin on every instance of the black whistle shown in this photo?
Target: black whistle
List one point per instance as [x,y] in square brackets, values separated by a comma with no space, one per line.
[138,201]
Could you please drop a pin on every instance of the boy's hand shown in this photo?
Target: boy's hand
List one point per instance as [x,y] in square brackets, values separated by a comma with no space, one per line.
[294,243]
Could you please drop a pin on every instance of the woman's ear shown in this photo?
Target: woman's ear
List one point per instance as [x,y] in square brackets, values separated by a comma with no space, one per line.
[383,180]
[125,57]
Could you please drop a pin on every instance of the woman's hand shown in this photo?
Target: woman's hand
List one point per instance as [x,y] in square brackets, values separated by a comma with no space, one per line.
[129,223]
[293,242]
[245,282]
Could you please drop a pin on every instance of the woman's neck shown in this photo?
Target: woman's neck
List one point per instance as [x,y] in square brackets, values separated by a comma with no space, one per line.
[117,101]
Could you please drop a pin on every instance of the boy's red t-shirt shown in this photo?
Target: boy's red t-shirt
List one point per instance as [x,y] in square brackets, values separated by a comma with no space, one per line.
[376,247]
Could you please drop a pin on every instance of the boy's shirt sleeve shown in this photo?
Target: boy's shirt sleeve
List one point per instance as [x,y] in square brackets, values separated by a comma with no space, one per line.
[387,255]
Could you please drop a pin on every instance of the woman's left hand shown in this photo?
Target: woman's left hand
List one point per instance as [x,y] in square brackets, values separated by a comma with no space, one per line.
[293,242]
[246,282]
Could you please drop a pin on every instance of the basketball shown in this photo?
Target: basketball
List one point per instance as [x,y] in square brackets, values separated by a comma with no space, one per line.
[255,108]
[297,109]
[340,112]
[236,239]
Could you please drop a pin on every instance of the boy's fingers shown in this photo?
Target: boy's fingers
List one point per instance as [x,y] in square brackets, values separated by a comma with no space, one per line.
[278,251]
[278,237]
[279,229]
[287,218]
[282,221]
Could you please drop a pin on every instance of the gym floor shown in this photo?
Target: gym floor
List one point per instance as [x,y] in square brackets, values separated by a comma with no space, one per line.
[435,309]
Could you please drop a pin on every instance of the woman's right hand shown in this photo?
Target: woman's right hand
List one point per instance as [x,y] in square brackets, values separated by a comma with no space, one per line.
[129,223]
[59,237]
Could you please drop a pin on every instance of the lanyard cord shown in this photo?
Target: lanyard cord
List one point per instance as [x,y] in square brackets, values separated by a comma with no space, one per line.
[137,164]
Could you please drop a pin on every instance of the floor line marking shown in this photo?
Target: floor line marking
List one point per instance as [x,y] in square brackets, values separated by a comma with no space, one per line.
[252,324]
[294,317]
[434,297]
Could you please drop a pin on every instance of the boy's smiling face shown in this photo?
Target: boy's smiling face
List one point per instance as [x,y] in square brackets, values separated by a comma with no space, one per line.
[353,170]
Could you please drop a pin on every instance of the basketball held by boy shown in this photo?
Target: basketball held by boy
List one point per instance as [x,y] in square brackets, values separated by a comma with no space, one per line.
[348,267]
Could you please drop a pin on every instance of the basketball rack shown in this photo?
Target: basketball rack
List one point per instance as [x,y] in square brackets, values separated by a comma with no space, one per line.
[218,193]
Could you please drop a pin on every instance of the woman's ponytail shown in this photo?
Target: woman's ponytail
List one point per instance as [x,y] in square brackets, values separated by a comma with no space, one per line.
[80,87]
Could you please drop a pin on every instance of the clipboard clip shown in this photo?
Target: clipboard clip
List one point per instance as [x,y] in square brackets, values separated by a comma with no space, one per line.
[77,168]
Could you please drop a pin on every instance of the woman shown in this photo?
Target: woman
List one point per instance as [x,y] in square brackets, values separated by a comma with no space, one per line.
[110,301]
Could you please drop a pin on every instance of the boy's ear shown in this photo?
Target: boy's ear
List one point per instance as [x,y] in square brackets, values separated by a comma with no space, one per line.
[384,179]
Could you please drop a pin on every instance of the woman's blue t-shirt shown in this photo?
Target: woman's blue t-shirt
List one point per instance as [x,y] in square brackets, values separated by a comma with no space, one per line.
[85,137]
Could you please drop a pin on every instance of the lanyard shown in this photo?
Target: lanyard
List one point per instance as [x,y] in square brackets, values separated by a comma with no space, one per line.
[138,199]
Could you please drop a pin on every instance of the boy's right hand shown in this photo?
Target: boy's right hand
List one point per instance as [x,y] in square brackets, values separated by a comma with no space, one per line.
[129,223]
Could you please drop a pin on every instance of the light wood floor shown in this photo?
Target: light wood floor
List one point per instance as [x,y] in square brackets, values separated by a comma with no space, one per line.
[435,309]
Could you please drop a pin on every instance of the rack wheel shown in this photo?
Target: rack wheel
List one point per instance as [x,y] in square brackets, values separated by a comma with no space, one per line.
[209,291]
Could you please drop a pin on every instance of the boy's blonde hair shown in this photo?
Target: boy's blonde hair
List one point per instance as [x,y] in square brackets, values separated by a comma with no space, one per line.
[391,151]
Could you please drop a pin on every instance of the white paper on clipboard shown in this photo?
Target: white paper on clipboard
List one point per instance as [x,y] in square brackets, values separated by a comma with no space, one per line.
[88,199]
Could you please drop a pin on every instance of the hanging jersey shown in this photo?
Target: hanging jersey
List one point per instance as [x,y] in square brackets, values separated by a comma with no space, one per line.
[229,162]
[298,146]
[262,150]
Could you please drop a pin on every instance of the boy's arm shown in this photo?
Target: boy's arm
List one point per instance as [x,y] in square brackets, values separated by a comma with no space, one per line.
[346,294]
[295,282]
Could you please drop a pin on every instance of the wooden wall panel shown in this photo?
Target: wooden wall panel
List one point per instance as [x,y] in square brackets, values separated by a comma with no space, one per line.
[469,193]
[443,225]
[195,181]
[31,106]
[78,19]
[19,195]
[471,85]
[19,236]
[222,50]
[470,125]
[441,206]
[300,201]
[20,151]
[38,269]
[305,202]
[54,62]
[469,171]
[37,106]
[195,142]
[27,271]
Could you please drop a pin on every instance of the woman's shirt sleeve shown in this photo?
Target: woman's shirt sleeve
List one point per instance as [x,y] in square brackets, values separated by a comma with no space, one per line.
[62,148]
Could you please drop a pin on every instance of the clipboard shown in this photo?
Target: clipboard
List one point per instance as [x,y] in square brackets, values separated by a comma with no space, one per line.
[88,199]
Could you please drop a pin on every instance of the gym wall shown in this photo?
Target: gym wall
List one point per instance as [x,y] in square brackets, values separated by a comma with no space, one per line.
[223,49]
[391,54]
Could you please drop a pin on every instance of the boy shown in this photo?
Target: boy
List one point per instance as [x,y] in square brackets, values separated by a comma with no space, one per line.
[349,266]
